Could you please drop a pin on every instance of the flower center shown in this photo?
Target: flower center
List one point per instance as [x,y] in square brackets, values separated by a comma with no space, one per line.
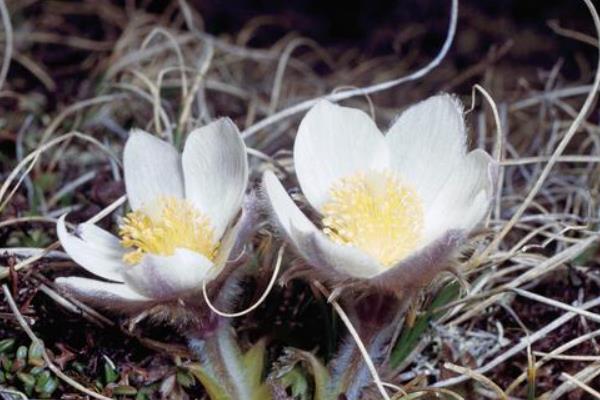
[176,224]
[375,212]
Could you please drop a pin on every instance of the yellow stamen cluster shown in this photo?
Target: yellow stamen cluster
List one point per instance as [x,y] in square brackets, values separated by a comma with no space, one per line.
[376,213]
[177,225]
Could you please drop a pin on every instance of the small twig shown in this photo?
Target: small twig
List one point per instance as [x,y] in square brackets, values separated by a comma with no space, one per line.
[567,357]
[55,245]
[75,308]
[8,38]
[33,251]
[70,381]
[579,36]
[427,391]
[71,186]
[361,347]
[583,112]
[36,70]
[589,315]
[31,159]
[582,385]
[73,109]
[522,344]
[570,159]
[178,54]
[498,151]
[30,260]
[285,56]
[63,40]
[305,105]
[258,302]
[107,210]
[187,103]
[13,392]
[587,374]
[478,377]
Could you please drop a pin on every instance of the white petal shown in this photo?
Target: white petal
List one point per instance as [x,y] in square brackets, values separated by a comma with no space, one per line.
[476,211]
[343,258]
[97,251]
[104,294]
[152,169]
[309,241]
[215,167]
[334,142]
[230,240]
[99,237]
[285,210]
[168,277]
[464,199]
[427,142]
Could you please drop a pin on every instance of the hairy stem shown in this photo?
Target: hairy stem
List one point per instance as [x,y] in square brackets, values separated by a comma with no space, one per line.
[221,359]
[376,318]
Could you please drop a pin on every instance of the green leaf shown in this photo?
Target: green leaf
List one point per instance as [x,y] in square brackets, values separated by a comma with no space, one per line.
[77,366]
[318,371]
[35,238]
[212,387]
[6,362]
[254,364]
[27,379]
[263,392]
[21,353]
[34,356]
[45,181]
[110,375]
[6,345]
[28,389]
[141,396]
[145,393]
[49,388]
[124,390]
[296,380]
[411,336]
[35,371]
[185,379]
[41,381]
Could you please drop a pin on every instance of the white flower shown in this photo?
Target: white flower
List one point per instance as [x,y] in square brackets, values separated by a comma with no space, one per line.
[393,208]
[179,232]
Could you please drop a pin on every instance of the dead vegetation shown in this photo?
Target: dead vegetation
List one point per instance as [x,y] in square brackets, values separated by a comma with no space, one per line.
[526,322]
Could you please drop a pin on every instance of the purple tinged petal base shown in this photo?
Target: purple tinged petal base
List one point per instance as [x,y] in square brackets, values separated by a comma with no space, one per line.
[107,295]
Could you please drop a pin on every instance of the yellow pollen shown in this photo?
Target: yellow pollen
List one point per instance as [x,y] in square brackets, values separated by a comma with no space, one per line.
[177,225]
[375,212]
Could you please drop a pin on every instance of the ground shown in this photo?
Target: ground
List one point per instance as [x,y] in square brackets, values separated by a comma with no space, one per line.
[537,63]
